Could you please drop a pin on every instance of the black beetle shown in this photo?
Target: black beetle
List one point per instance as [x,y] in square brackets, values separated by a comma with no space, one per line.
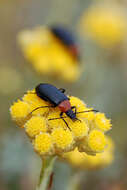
[57,98]
[67,38]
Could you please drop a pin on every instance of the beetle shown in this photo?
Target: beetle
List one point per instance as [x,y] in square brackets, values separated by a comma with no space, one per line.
[57,98]
[67,38]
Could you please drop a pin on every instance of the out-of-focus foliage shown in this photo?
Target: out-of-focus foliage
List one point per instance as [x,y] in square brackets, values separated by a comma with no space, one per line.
[102,86]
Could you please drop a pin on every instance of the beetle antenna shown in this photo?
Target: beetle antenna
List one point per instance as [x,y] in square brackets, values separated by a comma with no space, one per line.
[40,107]
[88,111]
[57,118]
[76,113]
[78,120]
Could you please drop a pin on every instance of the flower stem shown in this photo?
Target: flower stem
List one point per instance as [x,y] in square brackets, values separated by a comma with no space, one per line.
[46,171]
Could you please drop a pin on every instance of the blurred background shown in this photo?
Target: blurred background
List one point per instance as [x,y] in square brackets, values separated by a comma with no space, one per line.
[102,84]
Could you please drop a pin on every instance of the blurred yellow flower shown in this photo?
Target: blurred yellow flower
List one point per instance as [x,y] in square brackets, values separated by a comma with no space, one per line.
[50,135]
[88,162]
[48,55]
[104,23]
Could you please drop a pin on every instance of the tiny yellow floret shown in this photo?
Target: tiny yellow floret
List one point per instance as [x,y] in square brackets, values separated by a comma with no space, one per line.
[96,141]
[35,125]
[19,109]
[79,129]
[63,139]
[101,122]
[43,144]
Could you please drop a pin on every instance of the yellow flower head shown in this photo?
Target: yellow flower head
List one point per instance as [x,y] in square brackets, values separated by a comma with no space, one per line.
[106,24]
[52,134]
[101,122]
[88,162]
[43,144]
[35,126]
[19,111]
[96,141]
[48,55]
[63,139]
[80,131]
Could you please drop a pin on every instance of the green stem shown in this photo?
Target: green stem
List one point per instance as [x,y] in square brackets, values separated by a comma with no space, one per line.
[46,170]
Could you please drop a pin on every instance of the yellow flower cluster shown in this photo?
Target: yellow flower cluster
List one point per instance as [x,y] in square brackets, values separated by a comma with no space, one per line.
[51,136]
[87,162]
[106,24]
[48,55]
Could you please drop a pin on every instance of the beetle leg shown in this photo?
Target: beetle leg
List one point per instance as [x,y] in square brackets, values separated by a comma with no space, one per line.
[64,120]
[29,92]
[62,90]
[75,109]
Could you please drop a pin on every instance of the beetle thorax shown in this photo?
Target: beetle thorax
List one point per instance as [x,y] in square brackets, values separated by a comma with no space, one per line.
[74,50]
[64,106]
